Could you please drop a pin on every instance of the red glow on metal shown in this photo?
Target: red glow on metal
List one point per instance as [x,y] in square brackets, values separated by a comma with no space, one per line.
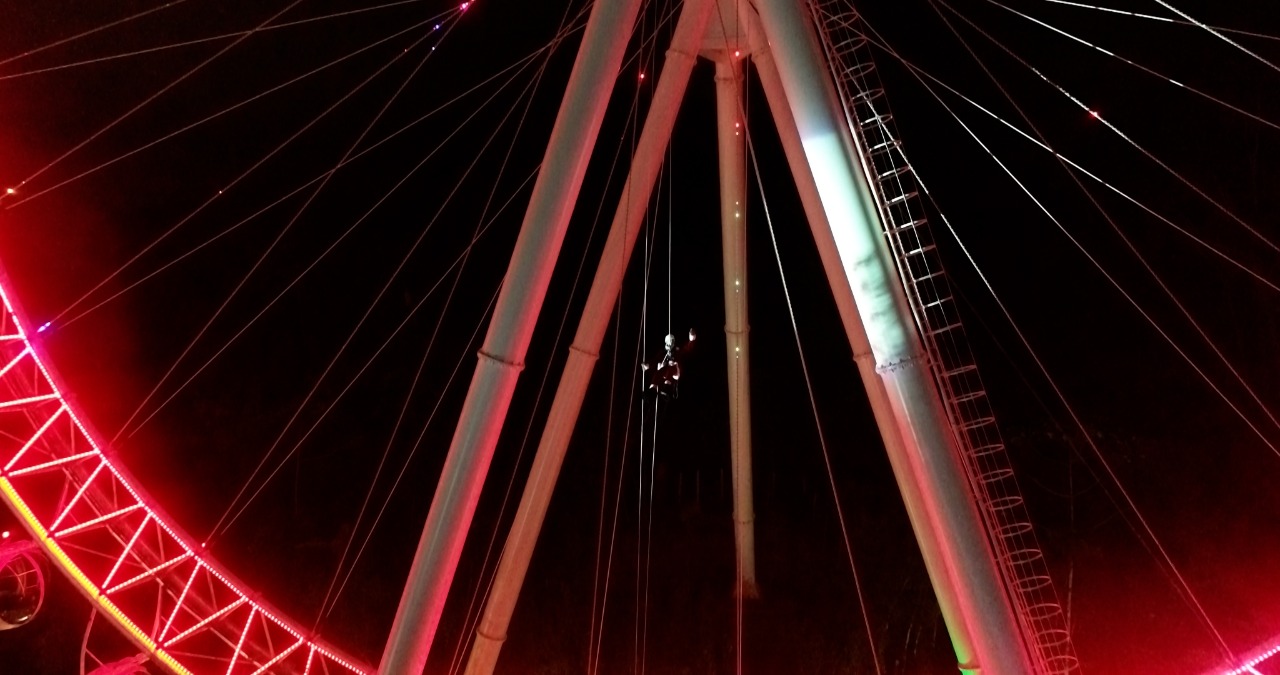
[103,496]
[1249,666]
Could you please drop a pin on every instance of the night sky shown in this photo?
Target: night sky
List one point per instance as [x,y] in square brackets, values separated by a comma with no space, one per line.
[83,226]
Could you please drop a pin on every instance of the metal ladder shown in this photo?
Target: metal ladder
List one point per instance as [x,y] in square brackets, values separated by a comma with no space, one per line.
[991,477]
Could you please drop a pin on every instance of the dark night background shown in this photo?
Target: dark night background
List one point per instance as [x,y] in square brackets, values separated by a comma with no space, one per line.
[1202,479]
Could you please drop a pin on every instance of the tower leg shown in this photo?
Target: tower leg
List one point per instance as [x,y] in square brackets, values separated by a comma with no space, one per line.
[940,575]
[928,464]
[733,187]
[627,221]
[502,356]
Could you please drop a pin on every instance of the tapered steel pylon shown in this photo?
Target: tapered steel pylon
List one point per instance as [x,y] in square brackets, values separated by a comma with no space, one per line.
[839,201]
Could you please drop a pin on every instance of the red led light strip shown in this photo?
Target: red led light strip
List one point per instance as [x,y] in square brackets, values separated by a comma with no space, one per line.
[97,494]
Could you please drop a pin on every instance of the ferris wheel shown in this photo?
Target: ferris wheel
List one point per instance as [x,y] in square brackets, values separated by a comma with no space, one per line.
[187,612]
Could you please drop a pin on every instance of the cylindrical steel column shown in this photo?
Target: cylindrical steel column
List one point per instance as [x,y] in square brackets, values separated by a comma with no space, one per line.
[733,228]
[627,221]
[926,534]
[929,457]
[515,314]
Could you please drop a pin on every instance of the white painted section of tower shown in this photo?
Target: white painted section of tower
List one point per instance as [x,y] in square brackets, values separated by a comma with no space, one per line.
[929,452]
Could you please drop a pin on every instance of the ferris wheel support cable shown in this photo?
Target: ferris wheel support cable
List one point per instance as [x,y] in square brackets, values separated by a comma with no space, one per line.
[1203,375]
[428,295]
[152,97]
[589,336]
[920,73]
[91,31]
[244,279]
[593,663]
[214,38]
[208,118]
[458,263]
[1155,17]
[471,624]
[1123,136]
[1218,34]
[927,536]
[817,420]
[1180,580]
[932,465]
[471,342]
[1116,228]
[501,358]
[1229,106]
[529,89]
[518,67]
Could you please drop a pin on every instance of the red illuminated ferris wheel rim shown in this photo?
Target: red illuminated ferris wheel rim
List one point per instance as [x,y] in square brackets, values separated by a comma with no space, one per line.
[118,546]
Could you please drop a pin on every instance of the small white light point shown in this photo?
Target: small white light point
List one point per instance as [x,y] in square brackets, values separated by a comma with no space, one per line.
[10,191]
[4,535]
[1094,114]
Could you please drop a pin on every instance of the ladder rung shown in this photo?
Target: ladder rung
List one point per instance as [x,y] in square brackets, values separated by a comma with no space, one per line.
[996,475]
[895,172]
[884,146]
[929,276]
[961,370]
[986,450]
[876,120]
[971,396]
[944,329]
[918,251]
[937,302]
[974,424]
[910,225]
[902,198]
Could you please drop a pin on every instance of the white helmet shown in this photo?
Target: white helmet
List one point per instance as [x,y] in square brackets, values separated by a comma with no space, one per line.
[670,341]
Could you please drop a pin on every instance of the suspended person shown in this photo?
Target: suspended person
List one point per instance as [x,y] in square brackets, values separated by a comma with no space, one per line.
[663,376]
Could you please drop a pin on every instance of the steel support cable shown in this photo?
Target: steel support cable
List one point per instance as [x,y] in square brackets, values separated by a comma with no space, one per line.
[529,91]
[518,67]
[91,31]
[469,624]
[597,638]
[24,198]
[650,241]
[154,96]
[360,323]
[919,72]
[244,279]
[471,347]
[648,540]
[1139,66]
[1132,301]
[593,661]
[1181,583]
[1154,17]
[1218,34]
[212,38]
[813,405]
[1116,228]
[322,178]
[633,123]
[298,278]
[1125,137]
